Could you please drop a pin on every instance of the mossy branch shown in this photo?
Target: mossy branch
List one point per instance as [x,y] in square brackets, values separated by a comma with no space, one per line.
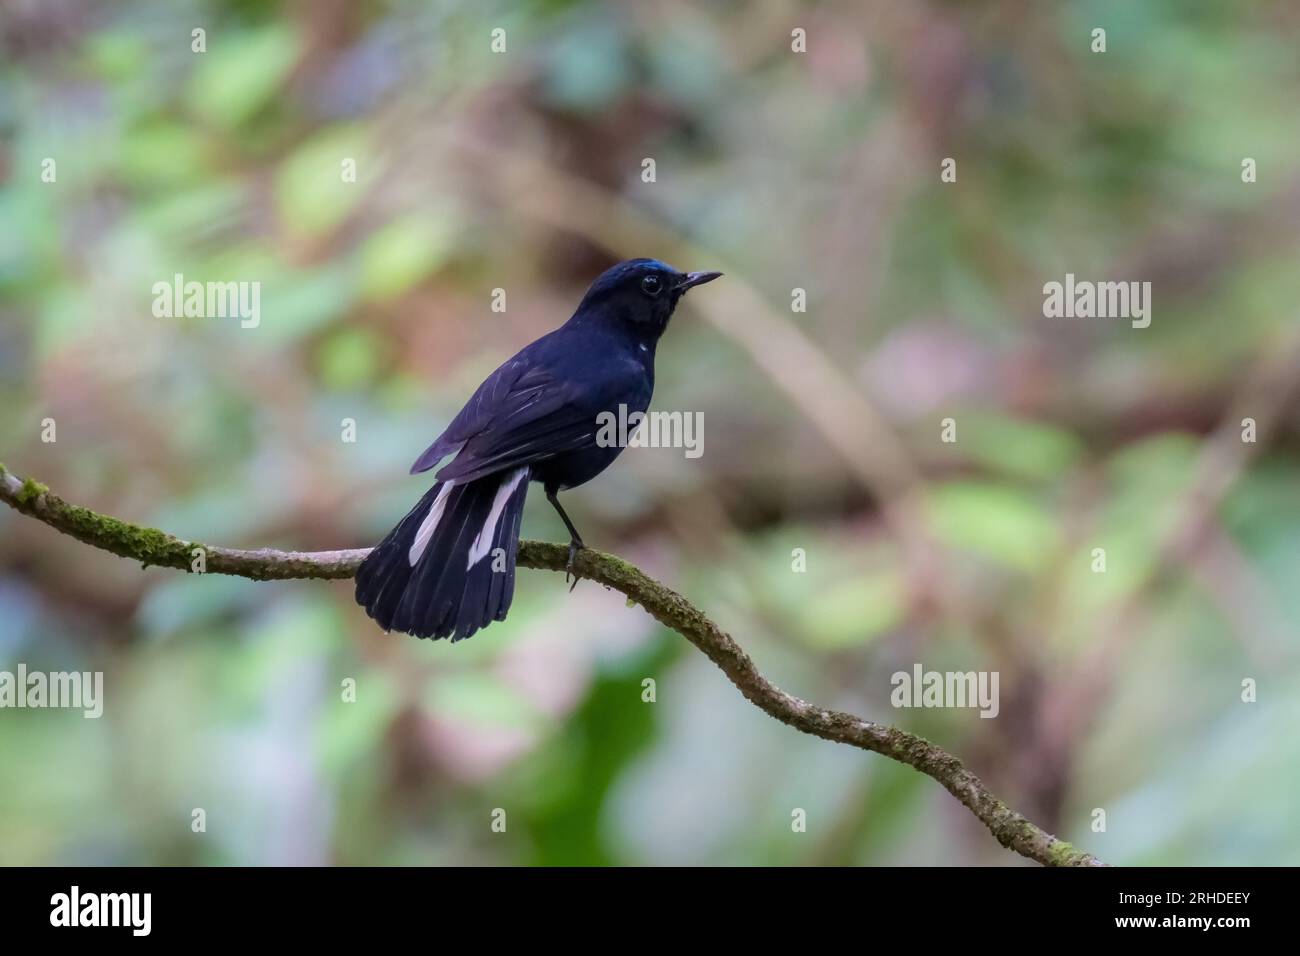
[150,546]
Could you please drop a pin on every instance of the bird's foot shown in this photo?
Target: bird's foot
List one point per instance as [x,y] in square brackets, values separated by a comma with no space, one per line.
[575,546]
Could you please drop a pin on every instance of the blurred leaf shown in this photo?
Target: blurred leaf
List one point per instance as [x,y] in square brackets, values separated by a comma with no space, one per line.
[349,358]
[995,521]
[1018,448]
[178,216]
[241,72]
[295,304]
[162,154]
[1147,480]
[850,613]
[310,192]
[115,54]
[398,256]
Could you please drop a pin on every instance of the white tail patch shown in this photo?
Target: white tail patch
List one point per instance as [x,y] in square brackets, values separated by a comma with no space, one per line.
[429,524]
[483,543]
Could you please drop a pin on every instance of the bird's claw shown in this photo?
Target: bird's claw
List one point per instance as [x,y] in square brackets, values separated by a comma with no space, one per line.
[574,547]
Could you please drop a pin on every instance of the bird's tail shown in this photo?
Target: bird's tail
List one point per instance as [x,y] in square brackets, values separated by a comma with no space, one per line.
[448,568]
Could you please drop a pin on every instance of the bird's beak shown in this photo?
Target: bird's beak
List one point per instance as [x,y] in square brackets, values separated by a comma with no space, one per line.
[696,278]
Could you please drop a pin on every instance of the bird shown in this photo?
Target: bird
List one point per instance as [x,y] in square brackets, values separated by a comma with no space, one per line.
[448,568]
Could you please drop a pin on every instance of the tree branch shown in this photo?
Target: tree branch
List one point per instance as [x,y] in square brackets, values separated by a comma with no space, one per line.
[150,546]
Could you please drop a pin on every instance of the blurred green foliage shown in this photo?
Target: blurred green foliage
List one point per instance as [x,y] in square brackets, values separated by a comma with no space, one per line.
[816,170]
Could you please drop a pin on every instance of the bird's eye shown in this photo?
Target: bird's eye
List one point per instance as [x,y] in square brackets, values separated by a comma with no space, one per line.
[651,285]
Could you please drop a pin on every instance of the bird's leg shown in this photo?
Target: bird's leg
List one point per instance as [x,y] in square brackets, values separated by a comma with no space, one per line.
[575,539]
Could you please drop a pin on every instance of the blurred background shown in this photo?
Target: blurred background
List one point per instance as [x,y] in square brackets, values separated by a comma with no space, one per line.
[522,171]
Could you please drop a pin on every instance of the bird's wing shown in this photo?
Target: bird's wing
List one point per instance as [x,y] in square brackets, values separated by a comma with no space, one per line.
[540,417]
[522,413]
[483,406]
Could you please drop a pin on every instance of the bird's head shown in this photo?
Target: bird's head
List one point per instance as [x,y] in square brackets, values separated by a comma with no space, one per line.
[639,295]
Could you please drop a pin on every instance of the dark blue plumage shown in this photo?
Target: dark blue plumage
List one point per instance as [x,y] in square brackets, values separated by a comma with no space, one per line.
[448,568]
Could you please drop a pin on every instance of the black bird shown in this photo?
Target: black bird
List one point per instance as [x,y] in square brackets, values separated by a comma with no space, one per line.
[448,568]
